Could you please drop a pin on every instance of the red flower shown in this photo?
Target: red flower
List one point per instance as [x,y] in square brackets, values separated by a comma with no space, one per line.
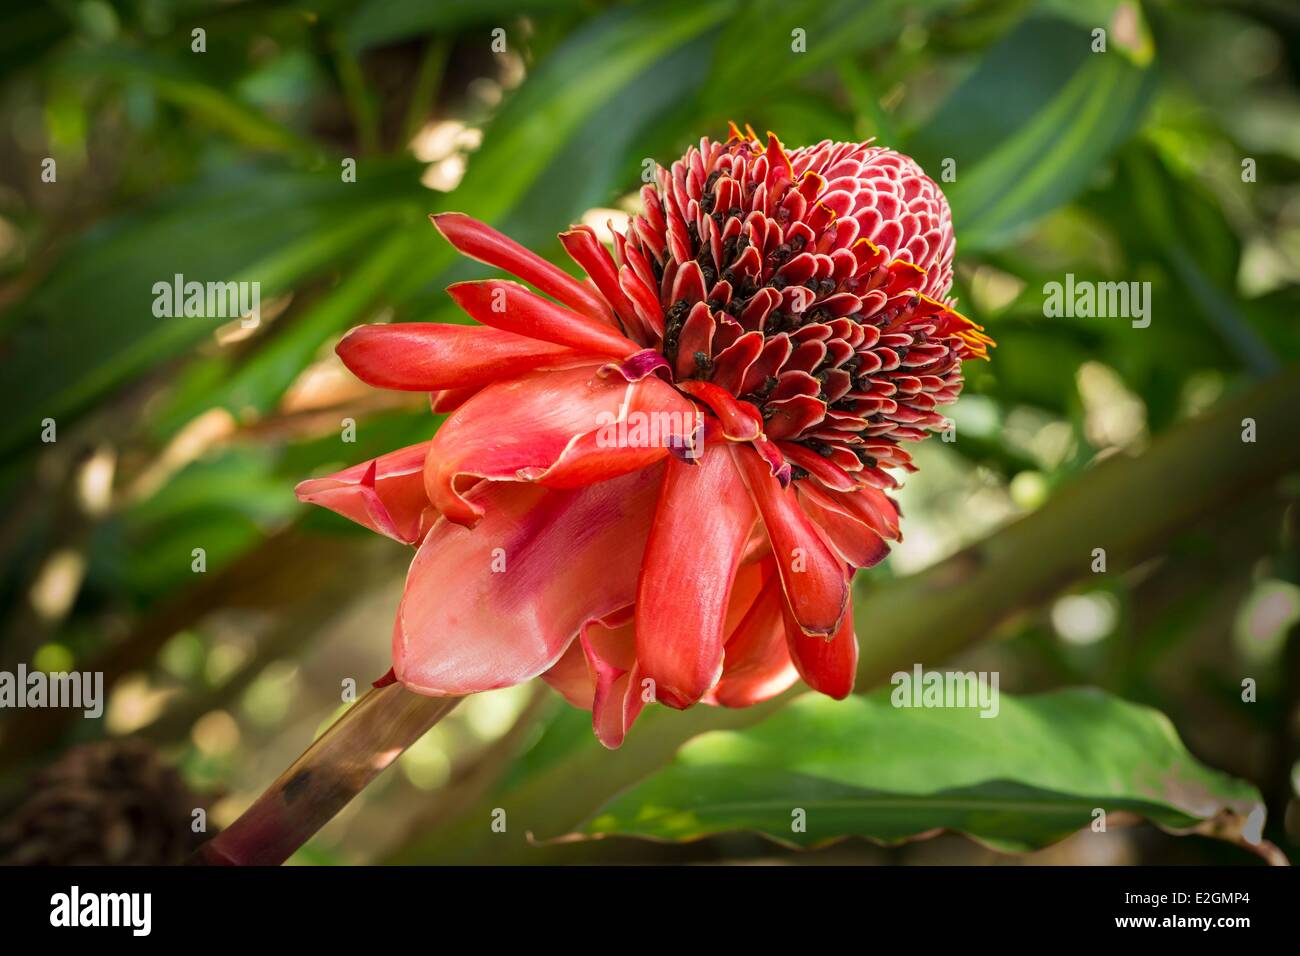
[656,484]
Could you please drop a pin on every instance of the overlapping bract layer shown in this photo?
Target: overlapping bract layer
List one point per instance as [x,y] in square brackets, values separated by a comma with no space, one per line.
[779,318]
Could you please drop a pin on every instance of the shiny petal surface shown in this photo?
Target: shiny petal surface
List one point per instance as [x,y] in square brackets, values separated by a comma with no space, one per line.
[814,578]
[701,526]
[500,604]
[756,664]
[480,241]
[561,428]
[851,538]
[586,250]
[740,420]
[428,357]
[385,495]
[450,399]
[510,307]
[609,652]
[827,666]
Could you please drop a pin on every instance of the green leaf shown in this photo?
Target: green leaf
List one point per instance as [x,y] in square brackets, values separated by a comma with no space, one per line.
[31,31]
[224,504]
[601,160]
[90,327]
[1030,127]
[872,119]
[177,83]
[377,22]
[1173,219]
[1022,779]
[552,149]
[1125,25]
[765,34]
[261,380]
[568,89]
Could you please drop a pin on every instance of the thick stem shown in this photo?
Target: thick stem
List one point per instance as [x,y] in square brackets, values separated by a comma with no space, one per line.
[334,769]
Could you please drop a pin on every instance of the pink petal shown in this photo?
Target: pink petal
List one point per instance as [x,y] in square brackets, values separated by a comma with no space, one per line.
[428,357]
[500,604]
[818,466]
[598,673]
[610,659]
[563,429]
[740,420]
[851,538]
[828,666]
[585,249]
[814,578]
[872,507]
[385,495]
[480,241]
[571,677]
[450,399]
[757,663]
[510,307]
[700,529]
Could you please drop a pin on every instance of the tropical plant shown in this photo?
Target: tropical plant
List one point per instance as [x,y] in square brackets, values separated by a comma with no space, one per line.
[1117,510]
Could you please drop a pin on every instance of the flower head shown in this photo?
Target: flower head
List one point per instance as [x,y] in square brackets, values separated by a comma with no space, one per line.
[656,484]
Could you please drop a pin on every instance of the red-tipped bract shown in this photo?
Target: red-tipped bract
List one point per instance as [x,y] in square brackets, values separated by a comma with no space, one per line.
[655,484]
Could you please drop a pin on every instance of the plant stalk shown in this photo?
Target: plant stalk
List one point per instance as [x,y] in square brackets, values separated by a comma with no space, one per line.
[356,748]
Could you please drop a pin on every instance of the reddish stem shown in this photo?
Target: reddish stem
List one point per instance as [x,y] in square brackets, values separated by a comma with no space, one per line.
[320,783]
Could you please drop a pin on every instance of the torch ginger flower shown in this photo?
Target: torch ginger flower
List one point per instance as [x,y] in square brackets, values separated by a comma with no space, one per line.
[782,315]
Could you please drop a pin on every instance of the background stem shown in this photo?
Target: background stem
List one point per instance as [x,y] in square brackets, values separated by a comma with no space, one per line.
[335,768]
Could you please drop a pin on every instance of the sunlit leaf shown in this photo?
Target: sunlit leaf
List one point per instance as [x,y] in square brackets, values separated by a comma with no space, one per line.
[1030,127]
[1040,769]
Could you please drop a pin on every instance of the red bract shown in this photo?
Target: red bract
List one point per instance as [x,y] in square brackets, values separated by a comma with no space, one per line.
[656,484]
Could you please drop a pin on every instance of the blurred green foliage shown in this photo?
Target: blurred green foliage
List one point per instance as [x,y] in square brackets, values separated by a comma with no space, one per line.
[229,164]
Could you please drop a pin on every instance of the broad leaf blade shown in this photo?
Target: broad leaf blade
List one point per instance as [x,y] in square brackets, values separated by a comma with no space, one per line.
[1019,152]
[1031,775]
